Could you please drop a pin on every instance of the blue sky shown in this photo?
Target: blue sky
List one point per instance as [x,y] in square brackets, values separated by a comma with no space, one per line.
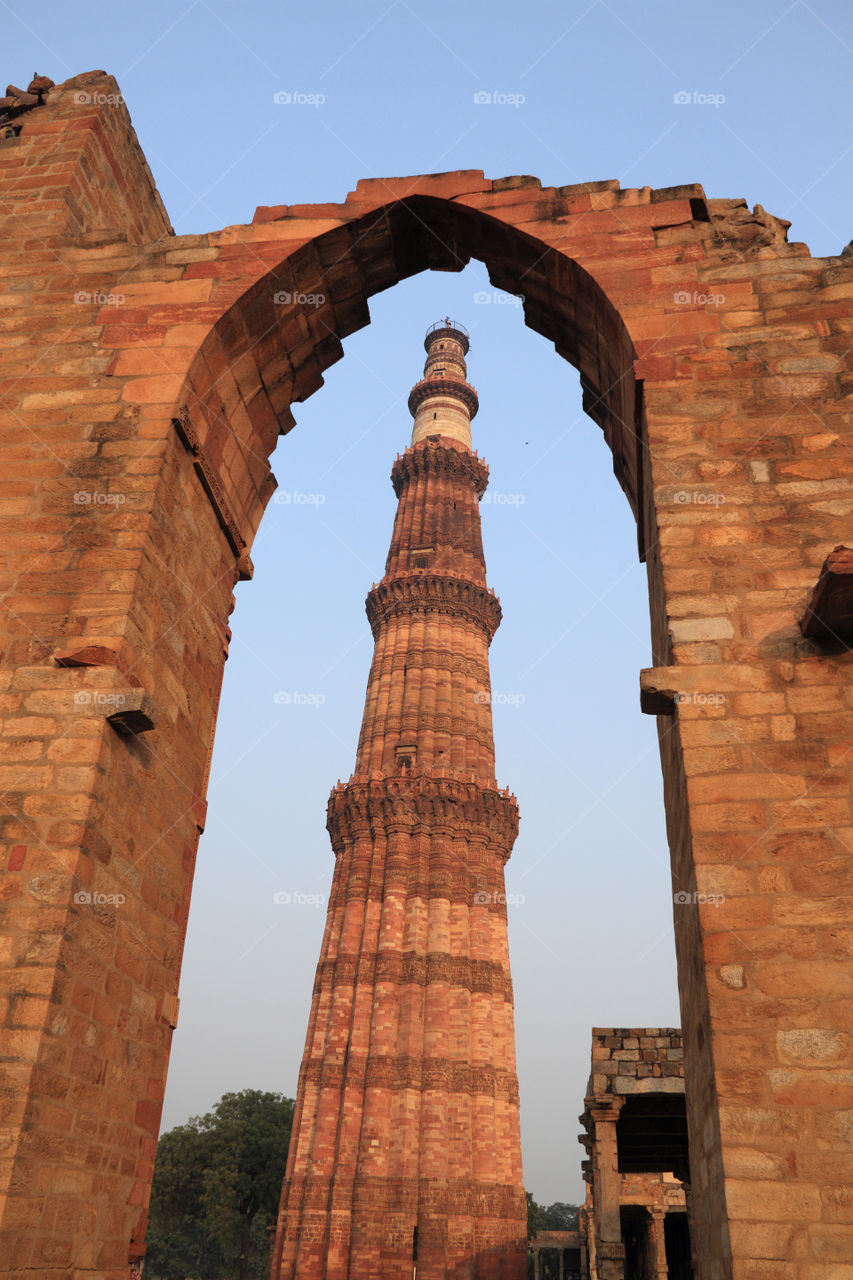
[579,92]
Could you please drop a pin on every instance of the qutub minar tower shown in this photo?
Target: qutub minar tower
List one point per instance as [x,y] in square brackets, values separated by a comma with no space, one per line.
[405,1158]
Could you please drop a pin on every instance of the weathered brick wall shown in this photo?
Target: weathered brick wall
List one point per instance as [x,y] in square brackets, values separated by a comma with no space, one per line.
[729,424]
[634,1053]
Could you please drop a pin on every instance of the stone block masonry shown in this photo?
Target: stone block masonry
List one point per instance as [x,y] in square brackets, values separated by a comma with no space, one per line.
[144,380]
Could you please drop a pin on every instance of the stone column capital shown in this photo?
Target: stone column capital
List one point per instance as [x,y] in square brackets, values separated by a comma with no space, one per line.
[602,1110]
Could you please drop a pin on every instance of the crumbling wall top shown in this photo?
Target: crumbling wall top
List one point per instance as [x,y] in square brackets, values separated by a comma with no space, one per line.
[635,1060]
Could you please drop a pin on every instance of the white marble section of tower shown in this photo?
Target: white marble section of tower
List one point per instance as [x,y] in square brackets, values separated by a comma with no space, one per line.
[443,402]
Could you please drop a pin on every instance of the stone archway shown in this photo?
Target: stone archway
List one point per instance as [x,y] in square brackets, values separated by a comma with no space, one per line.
[145,381]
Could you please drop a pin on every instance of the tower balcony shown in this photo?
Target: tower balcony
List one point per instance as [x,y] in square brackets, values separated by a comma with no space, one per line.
[447,329]
[444,386]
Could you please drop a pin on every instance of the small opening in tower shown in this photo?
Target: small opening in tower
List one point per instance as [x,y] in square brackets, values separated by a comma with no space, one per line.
[404,757]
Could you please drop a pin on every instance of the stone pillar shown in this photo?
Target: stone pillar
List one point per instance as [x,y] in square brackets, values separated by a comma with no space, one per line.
[658,1244]
[561,1254]
[688,1202]
[535,1263]
[610,1250]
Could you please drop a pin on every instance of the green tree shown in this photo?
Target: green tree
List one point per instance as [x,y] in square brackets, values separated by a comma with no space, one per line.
[558,1216]
[217,1182]
[177,1242]
[532,1215]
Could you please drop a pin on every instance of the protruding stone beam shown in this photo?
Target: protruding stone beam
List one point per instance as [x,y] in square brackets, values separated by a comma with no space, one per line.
[127,706]
[135,714]
[829,616]
[704,688]
[658,691]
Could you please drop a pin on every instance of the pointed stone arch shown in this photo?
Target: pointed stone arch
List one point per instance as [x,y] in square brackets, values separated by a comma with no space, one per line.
[159,370]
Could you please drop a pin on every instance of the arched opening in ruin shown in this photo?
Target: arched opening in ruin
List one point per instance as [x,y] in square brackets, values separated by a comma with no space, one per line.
[278,350]
[547,559]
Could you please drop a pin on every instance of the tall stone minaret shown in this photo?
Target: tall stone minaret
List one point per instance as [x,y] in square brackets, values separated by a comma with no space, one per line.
[406,1157]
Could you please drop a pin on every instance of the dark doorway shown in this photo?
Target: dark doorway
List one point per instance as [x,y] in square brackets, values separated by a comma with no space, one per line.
[634,1221]
[677,1240]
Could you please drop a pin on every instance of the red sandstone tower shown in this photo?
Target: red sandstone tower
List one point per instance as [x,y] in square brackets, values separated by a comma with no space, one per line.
[406,1148]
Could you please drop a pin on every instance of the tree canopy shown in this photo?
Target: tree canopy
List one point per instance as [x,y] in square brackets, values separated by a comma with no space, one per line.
[216,1188]
[558,1216]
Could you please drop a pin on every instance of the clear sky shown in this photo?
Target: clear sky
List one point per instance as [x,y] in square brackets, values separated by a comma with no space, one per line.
[579,92]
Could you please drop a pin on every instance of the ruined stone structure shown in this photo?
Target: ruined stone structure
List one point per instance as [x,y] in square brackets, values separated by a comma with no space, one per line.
[635,1220]
[146,379]
[406,1144]
[570,1249]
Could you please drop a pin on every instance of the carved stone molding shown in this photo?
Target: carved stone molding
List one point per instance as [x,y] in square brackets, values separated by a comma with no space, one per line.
[423,593]
[437,457]
[409,968]
[438,805]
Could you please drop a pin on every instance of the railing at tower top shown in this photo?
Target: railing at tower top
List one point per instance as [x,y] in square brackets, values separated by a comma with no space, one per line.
[448,324]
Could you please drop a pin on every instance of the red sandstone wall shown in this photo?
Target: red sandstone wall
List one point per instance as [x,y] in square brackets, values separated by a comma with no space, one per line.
[740,403]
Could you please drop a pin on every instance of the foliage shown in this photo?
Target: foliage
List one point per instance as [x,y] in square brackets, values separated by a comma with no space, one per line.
[217,1181]
[558,1216]
[532,1215]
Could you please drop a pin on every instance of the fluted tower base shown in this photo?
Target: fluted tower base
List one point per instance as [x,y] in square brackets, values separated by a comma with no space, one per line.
[408,1097]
